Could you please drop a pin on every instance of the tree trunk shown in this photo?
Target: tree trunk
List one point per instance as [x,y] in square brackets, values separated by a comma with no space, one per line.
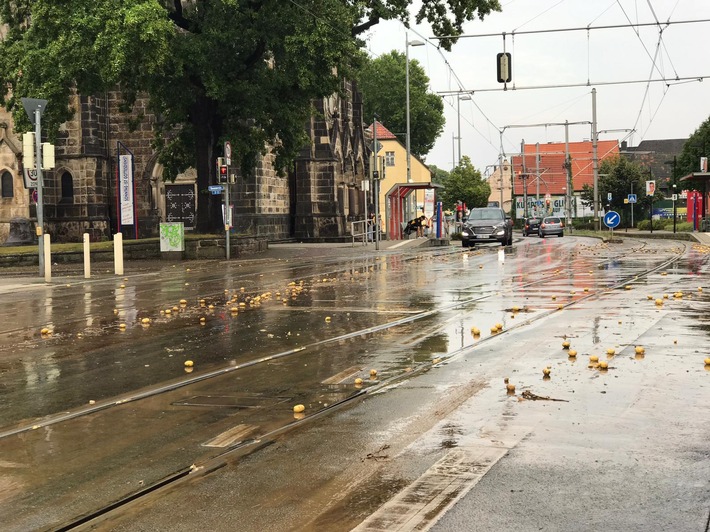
[206,126]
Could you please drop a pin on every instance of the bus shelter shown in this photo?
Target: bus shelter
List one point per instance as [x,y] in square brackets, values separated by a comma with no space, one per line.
[396,200]
[697,205]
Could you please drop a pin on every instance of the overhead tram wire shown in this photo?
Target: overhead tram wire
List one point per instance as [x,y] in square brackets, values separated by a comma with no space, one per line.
[676,81]
[561,30]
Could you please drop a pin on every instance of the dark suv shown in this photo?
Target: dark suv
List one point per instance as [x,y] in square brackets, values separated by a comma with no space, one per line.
[531,226]
[488,224]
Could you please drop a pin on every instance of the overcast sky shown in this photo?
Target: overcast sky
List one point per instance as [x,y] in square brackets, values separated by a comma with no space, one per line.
[603,55]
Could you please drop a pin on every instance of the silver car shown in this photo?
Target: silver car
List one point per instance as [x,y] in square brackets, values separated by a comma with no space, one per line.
[551,225]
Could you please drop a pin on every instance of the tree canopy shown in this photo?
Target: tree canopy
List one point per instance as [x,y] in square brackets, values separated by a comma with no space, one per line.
[382,82]
[697,146]
[239,70]
[466,184]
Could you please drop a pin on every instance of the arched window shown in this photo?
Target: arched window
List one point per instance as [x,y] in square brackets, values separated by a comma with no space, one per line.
[67,188]
[6,185]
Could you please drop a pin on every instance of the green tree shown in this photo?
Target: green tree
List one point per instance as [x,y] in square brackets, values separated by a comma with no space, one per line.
[241,70]
[619,176]
[382,82]
[697,146]
[466,184]
[438,175]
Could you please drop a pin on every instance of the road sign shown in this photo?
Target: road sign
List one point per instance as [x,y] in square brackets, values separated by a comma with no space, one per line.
[34,104]
[608,196]
[674,197]
[227,153]
[216,189]
[632,198]
[376,147]
[612,219]
[626,201]
[30,176]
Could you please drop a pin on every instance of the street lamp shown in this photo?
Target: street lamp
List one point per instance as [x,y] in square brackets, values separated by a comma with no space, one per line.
[409,43]
[458,112]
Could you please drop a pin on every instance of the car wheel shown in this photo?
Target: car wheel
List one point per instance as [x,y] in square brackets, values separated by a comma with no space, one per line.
[464,244]
[561,235]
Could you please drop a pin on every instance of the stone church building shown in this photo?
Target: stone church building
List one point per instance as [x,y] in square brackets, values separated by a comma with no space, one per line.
[315,200]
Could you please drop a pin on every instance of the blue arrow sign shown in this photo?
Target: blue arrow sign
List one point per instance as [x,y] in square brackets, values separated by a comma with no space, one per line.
[632,198]
[612,219]
[216,189]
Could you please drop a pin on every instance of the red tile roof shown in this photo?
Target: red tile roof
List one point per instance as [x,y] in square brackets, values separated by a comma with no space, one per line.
[382,132]
[553,178]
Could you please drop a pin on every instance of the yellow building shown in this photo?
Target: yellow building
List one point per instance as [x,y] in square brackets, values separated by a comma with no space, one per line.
[394,154]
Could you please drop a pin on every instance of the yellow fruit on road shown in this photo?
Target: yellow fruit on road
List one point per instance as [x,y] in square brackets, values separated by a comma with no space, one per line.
[603,364]
[707,361]
[594,359]
[358,381]
[327,319]
[475,331]
[610,351]
[572,353]
[45,331]
[659,302]
[298,409]
[546,371]
[640,350]
[373,372]
[516,309]
[649,298]
[494,329]
[189,363]
[145,321]
[565,344]
[183,302]
[510,387]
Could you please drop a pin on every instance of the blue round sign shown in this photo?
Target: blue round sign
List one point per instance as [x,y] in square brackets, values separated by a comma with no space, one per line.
[612,219]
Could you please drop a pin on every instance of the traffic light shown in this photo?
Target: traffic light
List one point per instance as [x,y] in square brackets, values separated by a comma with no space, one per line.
[28,150]
[223,173]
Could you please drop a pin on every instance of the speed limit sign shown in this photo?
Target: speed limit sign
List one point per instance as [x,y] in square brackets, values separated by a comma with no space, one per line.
[228,153]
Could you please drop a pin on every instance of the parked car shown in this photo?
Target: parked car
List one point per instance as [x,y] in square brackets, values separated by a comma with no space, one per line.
[531,226]
[486,225]
[551,225]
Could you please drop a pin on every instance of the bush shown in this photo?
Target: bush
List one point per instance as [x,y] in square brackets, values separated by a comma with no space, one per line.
[685,227]
[586,224]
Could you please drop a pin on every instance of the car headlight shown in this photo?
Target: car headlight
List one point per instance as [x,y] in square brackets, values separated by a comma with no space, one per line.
[465,233]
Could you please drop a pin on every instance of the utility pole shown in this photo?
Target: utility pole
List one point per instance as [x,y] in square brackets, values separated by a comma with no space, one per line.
[500,167]
[34,109]
[376,181]
[595,160]
[524,176]
[568,168]
[537,172]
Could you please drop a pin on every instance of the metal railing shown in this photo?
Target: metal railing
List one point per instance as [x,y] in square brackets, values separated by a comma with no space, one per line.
[360,231]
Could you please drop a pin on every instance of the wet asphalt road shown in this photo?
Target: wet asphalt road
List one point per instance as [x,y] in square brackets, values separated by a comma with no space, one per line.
[95,413]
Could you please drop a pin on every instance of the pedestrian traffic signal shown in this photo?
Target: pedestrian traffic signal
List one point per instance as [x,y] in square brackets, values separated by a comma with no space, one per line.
[223,173]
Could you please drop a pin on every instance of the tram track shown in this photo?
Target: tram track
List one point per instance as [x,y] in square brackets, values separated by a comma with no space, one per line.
[251,446]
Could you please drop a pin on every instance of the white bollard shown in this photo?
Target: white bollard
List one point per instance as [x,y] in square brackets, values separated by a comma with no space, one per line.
[47,258]
[118,253]
[87,257]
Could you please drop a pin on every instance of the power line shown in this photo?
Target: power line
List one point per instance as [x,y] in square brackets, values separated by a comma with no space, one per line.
[676,81]
[559,30]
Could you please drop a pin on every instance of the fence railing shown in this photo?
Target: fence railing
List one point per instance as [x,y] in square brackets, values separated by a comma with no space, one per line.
[359,231]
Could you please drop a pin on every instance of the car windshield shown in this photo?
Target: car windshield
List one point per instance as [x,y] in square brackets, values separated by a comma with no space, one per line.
[485,214]
[552,220]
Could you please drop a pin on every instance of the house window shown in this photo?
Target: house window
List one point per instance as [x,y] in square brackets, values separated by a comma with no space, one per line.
[6,185]
[67,188]
[389,158]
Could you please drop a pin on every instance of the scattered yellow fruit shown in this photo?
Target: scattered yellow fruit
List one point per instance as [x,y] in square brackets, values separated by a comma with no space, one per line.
[121,326]
[700,289]
[516,309]
[234,310]
[659,302]
[546,371]
[183,302]
[554,297]
[586,289]
[475,331]
[44,330]
[373,372]
[298,409]
[122,286]
[327,319]
[649,297]
[566,344]
[594,359]
[572,353]
[145,321]
[499,326]
[665,296]
[189,363]
[640,350]
[627,287]
[610,351]
[168,311]
[494,329]
[707,361]
[358,381]
[603,364]
[510,387]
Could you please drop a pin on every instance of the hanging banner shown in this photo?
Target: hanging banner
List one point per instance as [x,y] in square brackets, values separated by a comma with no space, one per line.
[650,187]
[429,203]
[125,191]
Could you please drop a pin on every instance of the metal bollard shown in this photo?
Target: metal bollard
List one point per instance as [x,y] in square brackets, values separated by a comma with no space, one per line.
[47,258]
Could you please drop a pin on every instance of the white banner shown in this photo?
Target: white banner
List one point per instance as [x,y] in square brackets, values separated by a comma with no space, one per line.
[550,206]
[429,202]
[125,188]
